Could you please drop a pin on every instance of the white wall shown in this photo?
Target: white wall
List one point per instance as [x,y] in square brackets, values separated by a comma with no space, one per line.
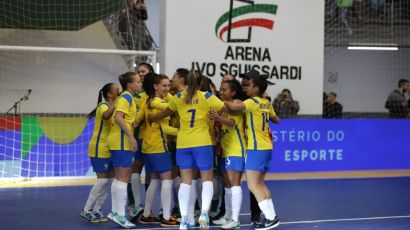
[60,82]
[364,78]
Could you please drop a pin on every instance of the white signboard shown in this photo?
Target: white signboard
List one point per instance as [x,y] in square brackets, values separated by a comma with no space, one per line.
[283,39]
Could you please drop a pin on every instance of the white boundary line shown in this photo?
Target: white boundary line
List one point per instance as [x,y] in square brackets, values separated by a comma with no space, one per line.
[308,221]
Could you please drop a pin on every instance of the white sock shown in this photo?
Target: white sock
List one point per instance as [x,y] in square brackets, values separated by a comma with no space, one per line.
[175,188]
[207,194]
[271,206]
[183,198]
[114,205]
[166,191]
[228,203]
[105,192]
[94,194]
[120,196]
[265,207]
[136,188]
[150,195]
[236,202]
[192,199]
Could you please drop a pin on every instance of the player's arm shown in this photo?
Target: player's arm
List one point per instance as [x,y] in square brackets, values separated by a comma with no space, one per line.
[159,116]
[234,107]
[228,122]
[119,118]
[140,116]
[108,112]
[167,129]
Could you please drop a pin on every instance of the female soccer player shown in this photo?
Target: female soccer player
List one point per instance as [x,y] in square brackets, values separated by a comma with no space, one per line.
[100,155]
[194,146]
[259,147]
[155,151]
[122,146]
[233,155]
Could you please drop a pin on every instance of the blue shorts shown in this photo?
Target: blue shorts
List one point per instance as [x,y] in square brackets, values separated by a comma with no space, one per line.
[101,165]
[122,158]
[173,147]
[232,164]
[258,160]
[138,154]
[158,162]
[201,158]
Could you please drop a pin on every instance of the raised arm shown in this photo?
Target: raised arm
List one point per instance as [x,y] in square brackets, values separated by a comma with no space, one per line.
[109,112]
[159,116]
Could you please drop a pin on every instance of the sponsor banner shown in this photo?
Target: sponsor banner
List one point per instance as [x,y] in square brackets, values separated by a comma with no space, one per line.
[315,145]
[283,39]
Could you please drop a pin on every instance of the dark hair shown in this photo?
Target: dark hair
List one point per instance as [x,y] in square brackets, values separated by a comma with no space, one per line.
[183,73]
[403,82]
[235,86]
[103,93]
[148,82]
[207,84]
[194,80]
[126,78]
[262,83]
[156,79]
[333,94]
[147,65]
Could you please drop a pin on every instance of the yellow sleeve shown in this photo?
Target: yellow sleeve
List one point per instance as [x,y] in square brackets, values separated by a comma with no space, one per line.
[161,105]
[140,115]
[172,105]
[103,107]
[215,103]
[251,105]
[168,97]
[169,130]
[122,105]
[271,111]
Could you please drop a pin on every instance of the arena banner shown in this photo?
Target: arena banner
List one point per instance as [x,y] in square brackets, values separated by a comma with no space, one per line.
[283,39]
[320,145]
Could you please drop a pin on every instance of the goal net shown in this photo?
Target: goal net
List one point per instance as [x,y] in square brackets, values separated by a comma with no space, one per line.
[55,57]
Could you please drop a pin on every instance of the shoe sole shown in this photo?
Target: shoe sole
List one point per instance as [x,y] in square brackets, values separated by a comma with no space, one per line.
[101,220]
[85,218]
[169,225]
[144,222]
[122,225]
[273,226]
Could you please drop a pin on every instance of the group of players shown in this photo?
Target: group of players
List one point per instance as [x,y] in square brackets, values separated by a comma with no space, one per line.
[186,136]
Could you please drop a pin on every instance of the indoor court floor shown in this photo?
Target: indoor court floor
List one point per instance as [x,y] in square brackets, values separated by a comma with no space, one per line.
[329,204]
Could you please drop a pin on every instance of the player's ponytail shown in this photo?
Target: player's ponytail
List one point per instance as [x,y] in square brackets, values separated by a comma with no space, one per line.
[103,93]
[194,80]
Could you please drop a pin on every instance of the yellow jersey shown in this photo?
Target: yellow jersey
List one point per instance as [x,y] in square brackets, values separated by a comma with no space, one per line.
[98,146]
[258,111]
[155,137]
[140,100]
[232,140]
[194,128]
[117,139]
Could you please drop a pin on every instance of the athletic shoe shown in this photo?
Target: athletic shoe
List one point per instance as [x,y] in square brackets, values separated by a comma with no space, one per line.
[149,220]
[231,225]
[169,223]
[99,217]
[122,221]
[184,225]
[135,212]
[88,215]
[255,219]
[203,221]
[268,224]
[110,215]
[220,221]
[175,212]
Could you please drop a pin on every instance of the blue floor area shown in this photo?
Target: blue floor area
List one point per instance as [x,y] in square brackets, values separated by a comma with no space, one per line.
[323,202]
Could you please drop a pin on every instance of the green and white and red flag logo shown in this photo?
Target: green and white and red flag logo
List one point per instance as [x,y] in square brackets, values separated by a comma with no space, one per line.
[253,15]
